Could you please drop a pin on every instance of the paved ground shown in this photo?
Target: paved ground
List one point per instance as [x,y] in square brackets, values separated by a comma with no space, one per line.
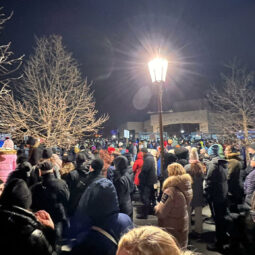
[196,244]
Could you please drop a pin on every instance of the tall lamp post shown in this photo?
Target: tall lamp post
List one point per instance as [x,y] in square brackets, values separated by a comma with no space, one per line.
[158,70]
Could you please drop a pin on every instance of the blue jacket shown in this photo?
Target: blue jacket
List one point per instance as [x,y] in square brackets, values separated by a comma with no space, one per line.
[94,242]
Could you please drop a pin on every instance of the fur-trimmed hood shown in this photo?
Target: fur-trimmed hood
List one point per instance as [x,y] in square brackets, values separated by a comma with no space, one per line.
[182,182]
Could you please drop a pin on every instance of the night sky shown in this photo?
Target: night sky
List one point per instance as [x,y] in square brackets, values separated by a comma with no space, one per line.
[114,39]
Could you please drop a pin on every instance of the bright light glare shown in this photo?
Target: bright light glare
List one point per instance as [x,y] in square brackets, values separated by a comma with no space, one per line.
[158,69]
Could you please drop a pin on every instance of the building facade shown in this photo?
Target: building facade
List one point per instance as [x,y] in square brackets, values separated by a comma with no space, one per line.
[190,118]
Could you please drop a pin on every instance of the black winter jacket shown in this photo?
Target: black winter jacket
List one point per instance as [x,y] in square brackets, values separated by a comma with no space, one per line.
[51,195]
[216,180]
[148,176]
[124,185]
[21,233]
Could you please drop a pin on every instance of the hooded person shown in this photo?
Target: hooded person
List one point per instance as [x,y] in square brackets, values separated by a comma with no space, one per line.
[18,224]
[76,218]
[98,217]
[172,211]
[123,183]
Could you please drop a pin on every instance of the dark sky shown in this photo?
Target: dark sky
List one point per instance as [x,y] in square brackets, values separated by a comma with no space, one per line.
[114,39]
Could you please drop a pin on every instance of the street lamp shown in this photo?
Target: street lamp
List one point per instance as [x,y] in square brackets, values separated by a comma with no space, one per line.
[158,70]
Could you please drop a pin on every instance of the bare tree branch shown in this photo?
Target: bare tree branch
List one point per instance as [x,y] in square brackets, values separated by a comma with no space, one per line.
[8,64]
[55,103]
[234,101]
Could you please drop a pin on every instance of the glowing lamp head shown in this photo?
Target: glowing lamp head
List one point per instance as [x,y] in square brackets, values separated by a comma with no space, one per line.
[158,69]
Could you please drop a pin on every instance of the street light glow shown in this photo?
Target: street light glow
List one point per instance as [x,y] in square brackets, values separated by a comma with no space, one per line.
[158,69]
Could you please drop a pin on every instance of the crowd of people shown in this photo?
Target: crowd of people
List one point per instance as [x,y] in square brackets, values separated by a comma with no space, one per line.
[82,198]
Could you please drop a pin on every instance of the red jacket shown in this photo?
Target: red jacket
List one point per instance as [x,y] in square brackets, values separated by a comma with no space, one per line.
[137,167]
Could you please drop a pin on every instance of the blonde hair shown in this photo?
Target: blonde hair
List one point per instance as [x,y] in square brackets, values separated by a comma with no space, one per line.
[149,240]
[175,169]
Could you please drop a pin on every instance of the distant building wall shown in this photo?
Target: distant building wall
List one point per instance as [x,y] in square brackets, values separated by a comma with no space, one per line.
[147,126]
[169,118]
[135,126]
[185,112]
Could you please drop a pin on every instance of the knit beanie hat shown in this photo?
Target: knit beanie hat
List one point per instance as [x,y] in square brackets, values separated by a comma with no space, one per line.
[16,193]
[47,153]
[97,165]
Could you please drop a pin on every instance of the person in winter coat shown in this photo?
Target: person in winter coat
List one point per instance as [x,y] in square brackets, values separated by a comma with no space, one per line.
[67,165]
[100,223]
[235,189]
[216,190]
[79,220]
[147,179]
[35,150]
[172,211]
[23,232]
[124,185]
[249,184]
[47,154]
[137,167]
[197,172]
[76,181]
[51,195]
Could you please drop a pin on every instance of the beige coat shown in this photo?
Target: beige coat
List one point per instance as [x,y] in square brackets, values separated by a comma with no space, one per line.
[172,211]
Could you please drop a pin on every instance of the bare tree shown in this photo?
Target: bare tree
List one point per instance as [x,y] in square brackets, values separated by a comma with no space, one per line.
[234,102]
[54,103]
[8,64]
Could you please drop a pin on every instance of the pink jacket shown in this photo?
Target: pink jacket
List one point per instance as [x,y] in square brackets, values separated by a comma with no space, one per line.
[7,165]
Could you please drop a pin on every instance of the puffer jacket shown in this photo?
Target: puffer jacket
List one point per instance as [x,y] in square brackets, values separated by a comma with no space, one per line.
[23,234]
[137,167]
[216,185]
[172,211]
